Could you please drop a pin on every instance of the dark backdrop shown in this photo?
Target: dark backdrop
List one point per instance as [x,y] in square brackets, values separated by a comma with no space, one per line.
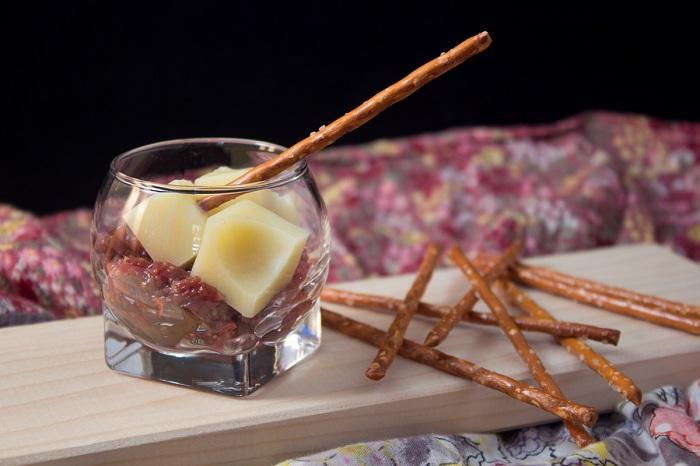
[82,83]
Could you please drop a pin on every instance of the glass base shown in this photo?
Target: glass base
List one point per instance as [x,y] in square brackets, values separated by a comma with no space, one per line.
[238,375]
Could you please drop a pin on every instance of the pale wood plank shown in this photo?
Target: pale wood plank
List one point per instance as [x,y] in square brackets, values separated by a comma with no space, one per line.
[59,403]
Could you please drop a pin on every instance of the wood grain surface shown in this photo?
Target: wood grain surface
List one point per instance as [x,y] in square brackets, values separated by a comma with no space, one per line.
[60,404]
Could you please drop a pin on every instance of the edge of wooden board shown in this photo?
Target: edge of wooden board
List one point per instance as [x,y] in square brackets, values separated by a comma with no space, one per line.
[317,429]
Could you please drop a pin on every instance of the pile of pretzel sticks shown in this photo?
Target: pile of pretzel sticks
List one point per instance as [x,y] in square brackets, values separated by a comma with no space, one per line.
[495,280]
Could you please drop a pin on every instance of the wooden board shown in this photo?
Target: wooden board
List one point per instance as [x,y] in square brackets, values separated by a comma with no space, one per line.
[60,404]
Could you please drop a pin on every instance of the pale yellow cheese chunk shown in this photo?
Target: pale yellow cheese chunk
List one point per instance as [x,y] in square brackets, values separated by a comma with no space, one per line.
[281,204]
[181,182]
[169,226]
[220,176]
[249,253]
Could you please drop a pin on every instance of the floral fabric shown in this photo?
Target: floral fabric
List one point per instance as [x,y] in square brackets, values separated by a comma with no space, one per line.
[592,180]
[45,270]
[663,430]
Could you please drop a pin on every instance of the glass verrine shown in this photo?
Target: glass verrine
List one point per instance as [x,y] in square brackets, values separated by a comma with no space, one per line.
[221,300]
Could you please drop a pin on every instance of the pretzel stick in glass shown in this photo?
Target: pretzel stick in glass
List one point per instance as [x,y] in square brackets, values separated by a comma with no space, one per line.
[616,379]
[461,368]
[447,322]
[673,307]
[512,331]
[328,134]
[387,351]
[561,329]
[607,302]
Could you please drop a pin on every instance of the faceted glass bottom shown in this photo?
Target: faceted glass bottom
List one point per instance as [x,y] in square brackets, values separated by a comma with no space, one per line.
[238,375]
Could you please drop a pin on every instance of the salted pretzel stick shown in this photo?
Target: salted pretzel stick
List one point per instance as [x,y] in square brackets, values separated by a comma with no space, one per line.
[607,302]
[557,328]
[328,134]
[616,379]
[447,322]
[673,307]
[461,368]
[512,331]
[392,343]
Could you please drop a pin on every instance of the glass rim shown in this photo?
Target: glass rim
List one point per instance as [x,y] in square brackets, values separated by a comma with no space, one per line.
[289,175]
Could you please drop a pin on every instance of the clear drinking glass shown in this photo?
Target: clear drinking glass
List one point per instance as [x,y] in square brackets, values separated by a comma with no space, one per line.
[221,300]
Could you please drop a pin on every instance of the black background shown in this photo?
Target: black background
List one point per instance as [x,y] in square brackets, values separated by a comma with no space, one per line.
[84,82]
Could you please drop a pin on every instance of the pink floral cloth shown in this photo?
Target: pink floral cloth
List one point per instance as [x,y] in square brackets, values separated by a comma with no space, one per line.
[662,430]
[45,270]
[591,180]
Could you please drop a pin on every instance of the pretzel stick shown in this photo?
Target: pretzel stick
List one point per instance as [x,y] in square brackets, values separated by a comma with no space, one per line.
[512,331]
[557,328]
[461,368]
[673,307]
[609,303]
[392,343]
[616,379]
[447,322]
[327,135]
